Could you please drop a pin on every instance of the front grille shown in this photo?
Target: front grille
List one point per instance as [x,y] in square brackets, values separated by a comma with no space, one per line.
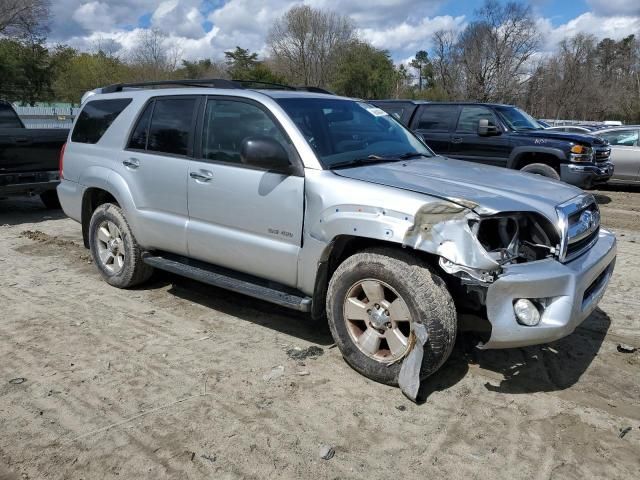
[580,226]
[602,154]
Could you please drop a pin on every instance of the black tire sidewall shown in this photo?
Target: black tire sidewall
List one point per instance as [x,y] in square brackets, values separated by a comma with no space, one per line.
[434,353]
[50,199]
[110,212]
[541,169]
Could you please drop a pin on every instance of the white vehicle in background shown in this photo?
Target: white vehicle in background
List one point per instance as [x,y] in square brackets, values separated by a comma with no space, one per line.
[625,152]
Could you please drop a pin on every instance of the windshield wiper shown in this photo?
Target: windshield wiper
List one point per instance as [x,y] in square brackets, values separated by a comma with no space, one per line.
[364,161]
[404,156]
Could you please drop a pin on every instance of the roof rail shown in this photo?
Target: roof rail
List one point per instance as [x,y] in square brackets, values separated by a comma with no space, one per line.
[204,82]
[247,83]
[314,90]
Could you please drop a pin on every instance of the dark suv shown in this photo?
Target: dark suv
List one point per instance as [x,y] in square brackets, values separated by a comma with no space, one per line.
[505,136]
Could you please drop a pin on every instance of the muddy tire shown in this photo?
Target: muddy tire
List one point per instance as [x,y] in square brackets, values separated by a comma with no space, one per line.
[410,289]
[50,199]
[114,248]
[541,169]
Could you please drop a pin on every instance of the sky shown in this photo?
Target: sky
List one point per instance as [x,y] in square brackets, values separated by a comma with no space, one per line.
[207,28]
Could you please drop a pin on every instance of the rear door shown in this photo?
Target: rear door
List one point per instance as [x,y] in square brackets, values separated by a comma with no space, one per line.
[625,154]
[466,144]
[155,167]
[434,122]
[242,217]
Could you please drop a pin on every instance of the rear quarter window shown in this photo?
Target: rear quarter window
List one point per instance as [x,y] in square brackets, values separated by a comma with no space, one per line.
[96,117]
[437,118]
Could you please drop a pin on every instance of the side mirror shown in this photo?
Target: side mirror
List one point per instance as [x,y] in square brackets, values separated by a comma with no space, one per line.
[485,130]
[264,152]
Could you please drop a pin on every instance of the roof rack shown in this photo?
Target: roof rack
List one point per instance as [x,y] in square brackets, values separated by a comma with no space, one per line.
[211,82]
[204,82]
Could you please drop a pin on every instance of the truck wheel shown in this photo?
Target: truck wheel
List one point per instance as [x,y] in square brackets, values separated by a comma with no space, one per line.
[114,248]
[50,199]
[373,300]
[541,169]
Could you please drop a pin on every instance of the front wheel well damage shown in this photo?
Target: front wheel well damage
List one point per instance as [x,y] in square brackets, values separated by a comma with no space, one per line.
[343,247]
[92,199]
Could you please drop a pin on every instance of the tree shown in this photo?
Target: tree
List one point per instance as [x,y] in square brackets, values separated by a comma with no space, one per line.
[244,65]
[305,43]
[23,18]
[424,67]
[154,56]
[202,69]
[364,71]
[25,71]
[494,51]
[446,63]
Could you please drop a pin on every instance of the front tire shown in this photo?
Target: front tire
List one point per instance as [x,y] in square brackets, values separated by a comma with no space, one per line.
[114,249]
[374,298]
[541,169]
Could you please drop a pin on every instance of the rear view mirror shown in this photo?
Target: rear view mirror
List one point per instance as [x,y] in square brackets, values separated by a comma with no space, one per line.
[485,129]
[264,152]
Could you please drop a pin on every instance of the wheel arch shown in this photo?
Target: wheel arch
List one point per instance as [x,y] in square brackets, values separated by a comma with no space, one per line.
[521,156]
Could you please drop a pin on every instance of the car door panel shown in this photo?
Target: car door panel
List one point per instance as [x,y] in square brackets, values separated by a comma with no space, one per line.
[625,154]
[155,166]
[240,217]
[433,123]
[466,144]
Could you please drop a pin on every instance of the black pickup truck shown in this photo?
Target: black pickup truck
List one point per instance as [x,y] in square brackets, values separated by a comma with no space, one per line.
[505,136]
[29,158]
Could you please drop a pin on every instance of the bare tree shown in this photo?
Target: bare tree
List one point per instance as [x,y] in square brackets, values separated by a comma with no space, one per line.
[495,50]
[22,18]
[154,54]
[445,62]
[306,42]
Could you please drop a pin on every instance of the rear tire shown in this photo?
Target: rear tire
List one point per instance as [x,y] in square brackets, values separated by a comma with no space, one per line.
[541,169]
[404,277]
[50,199]
[115,250]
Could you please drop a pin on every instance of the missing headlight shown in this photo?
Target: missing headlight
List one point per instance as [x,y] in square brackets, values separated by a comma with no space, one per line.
[515,237]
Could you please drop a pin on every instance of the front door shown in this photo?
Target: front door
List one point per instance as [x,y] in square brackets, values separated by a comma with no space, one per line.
[241,217]
[466,144]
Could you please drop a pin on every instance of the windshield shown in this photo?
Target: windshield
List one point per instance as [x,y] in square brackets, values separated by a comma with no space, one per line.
[518,120]
[341,131]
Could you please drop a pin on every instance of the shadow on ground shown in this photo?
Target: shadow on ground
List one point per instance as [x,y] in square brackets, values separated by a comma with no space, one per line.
[19,210]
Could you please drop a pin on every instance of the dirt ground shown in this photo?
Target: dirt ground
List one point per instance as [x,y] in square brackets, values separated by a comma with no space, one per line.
[180,380]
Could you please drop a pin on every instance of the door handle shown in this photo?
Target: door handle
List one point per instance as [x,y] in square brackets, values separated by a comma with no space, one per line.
[456,140]
[205,176]
[22,140]
[131,163]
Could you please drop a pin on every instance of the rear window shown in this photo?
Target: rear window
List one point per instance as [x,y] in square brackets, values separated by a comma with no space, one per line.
[165,126]
[437,118]
[8,118]
[96,117]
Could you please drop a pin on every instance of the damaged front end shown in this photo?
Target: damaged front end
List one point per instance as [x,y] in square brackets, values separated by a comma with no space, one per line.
[476,247]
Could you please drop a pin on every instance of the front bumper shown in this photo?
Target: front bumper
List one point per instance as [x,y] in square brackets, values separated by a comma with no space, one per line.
[571,292]
[586,175]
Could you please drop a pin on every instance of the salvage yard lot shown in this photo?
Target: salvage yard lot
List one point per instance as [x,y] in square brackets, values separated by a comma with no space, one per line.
[180,380]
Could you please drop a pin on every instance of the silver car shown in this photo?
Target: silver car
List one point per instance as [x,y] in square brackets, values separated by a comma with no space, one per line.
[625,153]
[330,206]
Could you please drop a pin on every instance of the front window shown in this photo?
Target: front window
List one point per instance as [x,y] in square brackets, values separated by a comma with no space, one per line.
[625,138]
[345,131]
[517,119]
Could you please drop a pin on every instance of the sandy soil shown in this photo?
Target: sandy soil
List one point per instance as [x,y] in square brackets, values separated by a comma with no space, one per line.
[180,380]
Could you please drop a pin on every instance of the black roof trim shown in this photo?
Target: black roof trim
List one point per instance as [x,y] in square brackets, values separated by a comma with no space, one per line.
[204,82]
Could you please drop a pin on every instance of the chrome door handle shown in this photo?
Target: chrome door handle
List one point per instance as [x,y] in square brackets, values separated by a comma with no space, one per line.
[456,140]
[131,163]
[205,176]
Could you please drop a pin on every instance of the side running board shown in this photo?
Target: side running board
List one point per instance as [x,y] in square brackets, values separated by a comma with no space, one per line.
[230,280]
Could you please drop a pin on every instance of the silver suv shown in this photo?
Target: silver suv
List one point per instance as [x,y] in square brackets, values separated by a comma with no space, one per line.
[328,205]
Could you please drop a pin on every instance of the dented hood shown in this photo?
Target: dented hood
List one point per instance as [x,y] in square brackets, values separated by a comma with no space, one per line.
[493,189]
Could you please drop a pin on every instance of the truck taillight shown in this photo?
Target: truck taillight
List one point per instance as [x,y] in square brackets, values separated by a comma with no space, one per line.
[61,159]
